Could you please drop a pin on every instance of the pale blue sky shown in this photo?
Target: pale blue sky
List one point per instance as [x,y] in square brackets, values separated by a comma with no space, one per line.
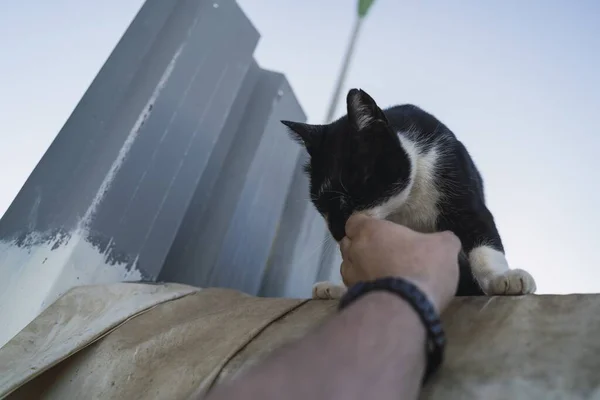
[517,81]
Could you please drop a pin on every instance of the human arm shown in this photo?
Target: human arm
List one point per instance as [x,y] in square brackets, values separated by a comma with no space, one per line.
[375,348]
[364,352]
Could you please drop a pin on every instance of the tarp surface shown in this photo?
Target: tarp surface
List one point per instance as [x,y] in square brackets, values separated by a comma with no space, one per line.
[138,341]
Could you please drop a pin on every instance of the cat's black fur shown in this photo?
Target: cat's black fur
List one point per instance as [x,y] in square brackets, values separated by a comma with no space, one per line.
[367,165]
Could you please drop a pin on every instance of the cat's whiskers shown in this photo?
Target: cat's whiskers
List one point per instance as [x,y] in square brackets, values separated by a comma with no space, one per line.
[335,192]
[328,243]
[342,184]
[304,199]
[322,245]
[340,197]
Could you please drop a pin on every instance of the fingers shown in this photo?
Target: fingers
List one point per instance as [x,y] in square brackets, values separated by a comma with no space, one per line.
[346,269]
[449,239]
[348,273]
[354,224]
[345,248]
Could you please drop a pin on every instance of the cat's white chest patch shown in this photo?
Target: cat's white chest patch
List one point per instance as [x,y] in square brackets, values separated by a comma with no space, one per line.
[416,207]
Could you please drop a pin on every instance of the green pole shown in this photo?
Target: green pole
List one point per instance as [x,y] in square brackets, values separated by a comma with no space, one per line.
[327,255]
[363,8]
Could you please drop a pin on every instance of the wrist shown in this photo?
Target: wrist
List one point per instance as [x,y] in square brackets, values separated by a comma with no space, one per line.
[434,292]
[414,297]
[390,304]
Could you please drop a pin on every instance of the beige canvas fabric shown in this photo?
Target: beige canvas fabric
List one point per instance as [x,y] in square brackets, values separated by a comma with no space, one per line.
[533,347]
[77,319]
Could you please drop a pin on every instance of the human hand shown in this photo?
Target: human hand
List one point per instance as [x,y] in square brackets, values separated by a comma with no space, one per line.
[375,249]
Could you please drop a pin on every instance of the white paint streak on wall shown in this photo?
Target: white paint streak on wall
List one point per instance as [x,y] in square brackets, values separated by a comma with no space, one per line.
[45,274]
[34,277]
[133,134]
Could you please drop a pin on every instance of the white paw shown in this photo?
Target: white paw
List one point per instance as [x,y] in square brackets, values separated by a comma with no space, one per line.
[327,291]
[510,283]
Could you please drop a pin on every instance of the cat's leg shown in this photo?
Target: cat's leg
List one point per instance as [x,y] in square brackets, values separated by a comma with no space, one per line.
[328,291]
[482,244]
[493,274]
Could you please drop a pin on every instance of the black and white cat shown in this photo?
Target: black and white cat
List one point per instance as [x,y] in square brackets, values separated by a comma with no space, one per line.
[402,164]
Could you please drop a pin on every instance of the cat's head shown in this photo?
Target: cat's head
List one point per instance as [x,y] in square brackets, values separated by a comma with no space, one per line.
[357,163]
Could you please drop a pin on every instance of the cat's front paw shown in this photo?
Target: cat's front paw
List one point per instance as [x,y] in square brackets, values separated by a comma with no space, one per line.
[512,282]
[327,291]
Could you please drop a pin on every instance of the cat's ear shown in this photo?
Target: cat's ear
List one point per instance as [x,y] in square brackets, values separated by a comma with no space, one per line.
[362,109]
[305,134]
